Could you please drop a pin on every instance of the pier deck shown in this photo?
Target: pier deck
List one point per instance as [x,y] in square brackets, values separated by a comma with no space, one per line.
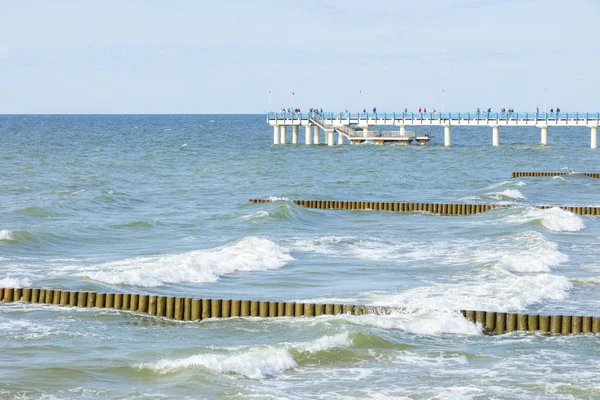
[356,127]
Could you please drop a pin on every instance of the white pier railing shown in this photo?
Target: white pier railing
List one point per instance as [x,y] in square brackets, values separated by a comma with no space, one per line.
[347,124]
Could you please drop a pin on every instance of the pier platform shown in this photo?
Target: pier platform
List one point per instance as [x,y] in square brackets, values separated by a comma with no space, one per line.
[356,128]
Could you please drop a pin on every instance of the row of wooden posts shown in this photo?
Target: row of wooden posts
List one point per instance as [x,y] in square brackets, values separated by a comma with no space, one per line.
[435,208]
[190,309]
[524,174]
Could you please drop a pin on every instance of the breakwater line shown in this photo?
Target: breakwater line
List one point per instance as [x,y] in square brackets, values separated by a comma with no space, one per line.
[530,174]
[434,208]
[191,309]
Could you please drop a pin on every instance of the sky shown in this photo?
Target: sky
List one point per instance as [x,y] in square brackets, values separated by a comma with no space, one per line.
[204,57]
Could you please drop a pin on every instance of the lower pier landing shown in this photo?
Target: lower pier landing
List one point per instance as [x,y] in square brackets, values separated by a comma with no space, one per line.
[393,140]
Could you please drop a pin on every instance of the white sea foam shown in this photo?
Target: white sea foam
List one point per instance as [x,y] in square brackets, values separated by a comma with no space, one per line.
[275,198]
[432,361]
[6,234]
[420,322]
[15,282]
[253,364]
[526,251]
[324,343]
[507,183]
[553,219]
[508,194]
[248,254]
[510,293]
[255,216]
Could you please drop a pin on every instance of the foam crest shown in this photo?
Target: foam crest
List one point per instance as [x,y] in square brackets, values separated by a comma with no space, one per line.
[248,254]
[420,322]
[324,343]
[553,219]
[527,251]
[507,194]
[15,282]
[255,216]
[534,254]
[253,364]
[6,234]
[507,183]
[276,198]
[511,293]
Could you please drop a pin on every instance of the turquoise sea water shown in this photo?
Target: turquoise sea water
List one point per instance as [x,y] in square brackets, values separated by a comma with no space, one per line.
[158,205]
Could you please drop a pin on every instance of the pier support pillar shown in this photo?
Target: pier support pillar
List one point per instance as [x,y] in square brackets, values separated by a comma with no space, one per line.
[283,134]
[340,138]
[446,135]
[402,130]
[308,134]
[275,134]
[594,139]
[316,134]
[366,131]
[330,138]
[495,135]
[544,139]
[295,134]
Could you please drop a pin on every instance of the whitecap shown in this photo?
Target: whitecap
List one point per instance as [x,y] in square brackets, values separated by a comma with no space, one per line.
[508,194]
[248,254]
[324,343]
[510,293]
[276,198]
[420,322]
[6,234]
[15,282]
[258,215]
[553,219]
[253,364]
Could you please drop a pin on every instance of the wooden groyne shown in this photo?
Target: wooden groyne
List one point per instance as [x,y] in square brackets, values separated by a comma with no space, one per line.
[528,174]
[435,208]
[191,309]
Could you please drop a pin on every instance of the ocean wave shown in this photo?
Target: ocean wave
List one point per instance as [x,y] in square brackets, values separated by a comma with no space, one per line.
[255,216]
[248,254]
[420,322]
[553,219]
[12,236]
[506,195]
[253,363]
[276,198]
[589,280]
[526,251]
[15,282]
[324,343]
[508,293]
[507,183]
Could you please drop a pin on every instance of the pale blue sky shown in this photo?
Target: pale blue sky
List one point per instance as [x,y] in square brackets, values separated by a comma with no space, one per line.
[134,56]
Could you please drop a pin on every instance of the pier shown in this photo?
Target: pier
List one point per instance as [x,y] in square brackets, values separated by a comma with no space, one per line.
[356,128]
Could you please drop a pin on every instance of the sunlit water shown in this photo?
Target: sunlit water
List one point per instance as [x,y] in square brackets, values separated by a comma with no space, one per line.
[158,205]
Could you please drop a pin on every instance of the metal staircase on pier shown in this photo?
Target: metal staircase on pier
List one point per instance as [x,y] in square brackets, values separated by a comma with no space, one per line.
[343,130]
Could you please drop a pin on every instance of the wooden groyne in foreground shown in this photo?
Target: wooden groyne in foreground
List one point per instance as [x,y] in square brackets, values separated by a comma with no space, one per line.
[191,309]
[434,208]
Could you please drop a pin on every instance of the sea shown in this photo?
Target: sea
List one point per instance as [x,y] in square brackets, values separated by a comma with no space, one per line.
[158,204]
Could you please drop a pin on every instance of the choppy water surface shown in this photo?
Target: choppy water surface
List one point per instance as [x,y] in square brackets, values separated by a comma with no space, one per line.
[158,205]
